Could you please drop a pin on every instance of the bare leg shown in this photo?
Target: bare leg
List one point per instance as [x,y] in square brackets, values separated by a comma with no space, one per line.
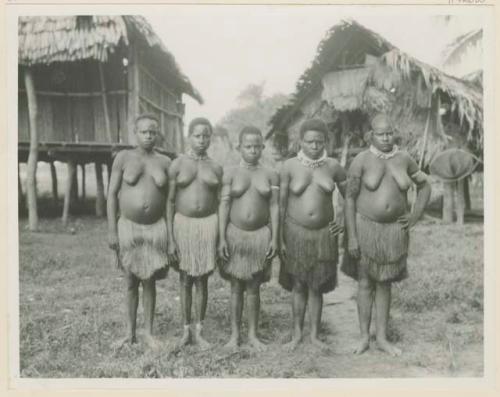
[132,301]
[236,310]
[253,309]
[316,306]
[186,299]
[149,303]
[299,302]
[365,302]
[201,296]
[383,302]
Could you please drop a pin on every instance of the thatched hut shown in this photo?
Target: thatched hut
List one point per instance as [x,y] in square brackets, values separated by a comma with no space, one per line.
[82,82]
[357,73]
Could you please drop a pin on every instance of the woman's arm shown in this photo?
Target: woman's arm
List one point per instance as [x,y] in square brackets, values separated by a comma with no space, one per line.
[115,182]
[274,209]
[172,191]
[352,192]
[423,191]
[283,201]
[224,207]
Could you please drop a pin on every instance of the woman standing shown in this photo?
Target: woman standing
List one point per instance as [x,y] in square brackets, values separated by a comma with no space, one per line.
[378,221]
[308,244]
[192,221]
[138,189]
[249,221]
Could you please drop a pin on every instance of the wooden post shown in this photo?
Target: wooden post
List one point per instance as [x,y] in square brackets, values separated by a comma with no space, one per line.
[71,168]
[448,188]
[74,187]
[100,201]
[133,92]
[105,103]
[33,153]
[468,204]
[84,193]
[53,174]
[20,196]
[460,202]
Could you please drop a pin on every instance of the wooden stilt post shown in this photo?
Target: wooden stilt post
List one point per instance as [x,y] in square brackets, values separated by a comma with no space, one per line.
[74,186]
[100,201]
[53,174]
[33,154]
[84,192]
[69,187]
[468,205]
[105,103]
[20,198]
[448,202]
[460,202]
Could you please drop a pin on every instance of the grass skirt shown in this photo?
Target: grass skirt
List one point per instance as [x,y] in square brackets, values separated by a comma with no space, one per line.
[312,257]
[196,240]
[143,248]
[384,249]
[247,251]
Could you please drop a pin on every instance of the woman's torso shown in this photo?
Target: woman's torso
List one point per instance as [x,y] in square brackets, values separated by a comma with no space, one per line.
[197,186]
[384,187]
[250,197]
[143,191]
[310,195]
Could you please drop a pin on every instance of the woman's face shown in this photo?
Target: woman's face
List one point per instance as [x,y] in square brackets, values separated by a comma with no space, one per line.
[313,144]
[383,139]
[146,132]
[199,140]
[251,148]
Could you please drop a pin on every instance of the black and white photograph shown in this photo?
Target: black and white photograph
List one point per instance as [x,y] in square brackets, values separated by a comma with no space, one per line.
[249,192]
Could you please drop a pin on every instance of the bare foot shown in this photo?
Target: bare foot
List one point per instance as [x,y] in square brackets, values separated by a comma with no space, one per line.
[316,342]
[151,342]
[292,345]
[363,346]
[256,343]
[200,342]
[232,345]
[389,348]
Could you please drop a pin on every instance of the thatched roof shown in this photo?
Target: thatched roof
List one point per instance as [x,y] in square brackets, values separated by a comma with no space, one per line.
[347,45]
[48,39]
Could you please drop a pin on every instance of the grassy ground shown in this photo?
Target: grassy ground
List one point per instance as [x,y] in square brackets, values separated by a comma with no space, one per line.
[71,311]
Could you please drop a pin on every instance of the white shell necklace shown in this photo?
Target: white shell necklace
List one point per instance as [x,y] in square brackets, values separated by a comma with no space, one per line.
[309,162]
[249,166]
[383,155]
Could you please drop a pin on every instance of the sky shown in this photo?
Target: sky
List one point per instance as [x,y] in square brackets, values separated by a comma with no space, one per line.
[223,49]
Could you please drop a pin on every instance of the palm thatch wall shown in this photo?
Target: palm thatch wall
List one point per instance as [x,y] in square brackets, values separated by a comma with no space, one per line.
[357,73]
[85,64]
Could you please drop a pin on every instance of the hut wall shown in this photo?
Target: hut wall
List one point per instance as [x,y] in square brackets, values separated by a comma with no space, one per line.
[158,96]
[70,101]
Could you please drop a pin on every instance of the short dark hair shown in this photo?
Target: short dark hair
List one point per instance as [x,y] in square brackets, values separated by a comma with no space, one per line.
[249,130]
[199,121]
[313,125]
[149,116]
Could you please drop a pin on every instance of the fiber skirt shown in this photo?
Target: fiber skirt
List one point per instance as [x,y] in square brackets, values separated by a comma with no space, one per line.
[247,250]
[383,248]
[311,257]
[143,248]
[196,240]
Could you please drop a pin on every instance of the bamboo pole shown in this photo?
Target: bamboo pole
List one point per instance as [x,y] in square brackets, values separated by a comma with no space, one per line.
[33,153]
[71,169]
[105,102]
[100,201]
[467,199]
[448,189]
[53,174]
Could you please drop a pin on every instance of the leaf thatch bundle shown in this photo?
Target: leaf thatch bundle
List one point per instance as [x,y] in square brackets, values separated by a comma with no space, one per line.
[410,90]
[49,39]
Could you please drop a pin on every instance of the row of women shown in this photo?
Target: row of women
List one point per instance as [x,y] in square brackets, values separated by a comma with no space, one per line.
[192,215]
